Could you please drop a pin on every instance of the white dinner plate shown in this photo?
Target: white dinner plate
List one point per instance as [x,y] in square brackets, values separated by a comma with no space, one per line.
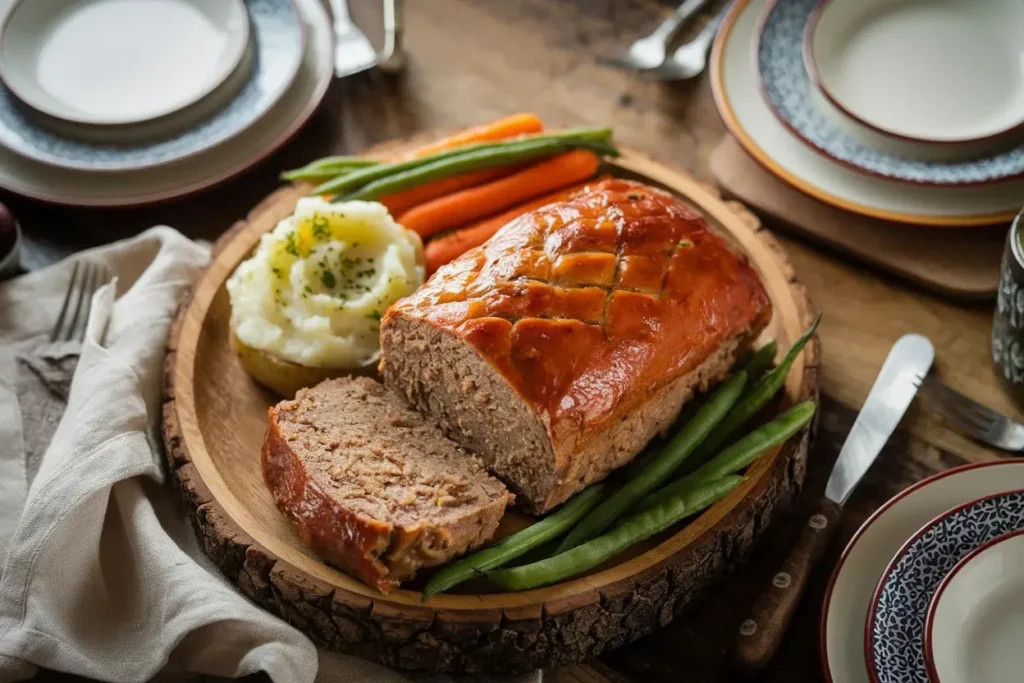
[115,62]
[734,82]
[277,42]
[852,585]
[123,188]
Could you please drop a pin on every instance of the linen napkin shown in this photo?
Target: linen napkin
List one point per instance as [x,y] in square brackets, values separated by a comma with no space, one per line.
[956,263]
[101,573]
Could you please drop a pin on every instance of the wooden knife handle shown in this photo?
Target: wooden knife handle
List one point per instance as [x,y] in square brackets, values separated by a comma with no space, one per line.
[760,634]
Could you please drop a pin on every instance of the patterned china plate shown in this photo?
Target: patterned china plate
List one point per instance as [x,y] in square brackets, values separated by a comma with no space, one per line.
[749,119]
[787,88]
[279,37]
[894,630]
[131,188]
[852,585]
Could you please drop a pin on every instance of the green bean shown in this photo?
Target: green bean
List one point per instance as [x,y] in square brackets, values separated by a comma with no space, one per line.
[761,362]
[632,530]
[552,526]
[755,367]
[738,455]
[668,461]
[753,401]
[351,182]
[327,168]
[473,161]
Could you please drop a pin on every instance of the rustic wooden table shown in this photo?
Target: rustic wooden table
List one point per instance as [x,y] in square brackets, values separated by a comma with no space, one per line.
[470,60]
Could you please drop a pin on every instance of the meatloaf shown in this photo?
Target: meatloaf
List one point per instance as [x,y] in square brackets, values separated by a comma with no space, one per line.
[560,347]
[372,487]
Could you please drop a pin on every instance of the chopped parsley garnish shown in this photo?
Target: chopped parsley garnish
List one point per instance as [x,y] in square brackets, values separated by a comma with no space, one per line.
[374,314]
[327,277]
[321,228]
[685,244]
[291,244]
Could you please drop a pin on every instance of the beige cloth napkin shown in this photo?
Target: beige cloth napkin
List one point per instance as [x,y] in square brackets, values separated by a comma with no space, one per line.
[101,573]
[954,262]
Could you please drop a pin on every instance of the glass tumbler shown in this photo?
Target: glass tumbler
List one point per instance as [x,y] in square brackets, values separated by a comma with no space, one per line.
[1008,325]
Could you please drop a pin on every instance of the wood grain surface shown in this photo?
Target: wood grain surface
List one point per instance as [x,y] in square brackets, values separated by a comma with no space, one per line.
[474,59]
[215,415]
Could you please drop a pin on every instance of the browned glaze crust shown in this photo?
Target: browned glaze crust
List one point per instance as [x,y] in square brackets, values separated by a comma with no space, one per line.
[589,306]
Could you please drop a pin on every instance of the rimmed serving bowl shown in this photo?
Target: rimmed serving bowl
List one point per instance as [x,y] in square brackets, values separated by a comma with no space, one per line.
[931,79]
[975,623]
[119,63]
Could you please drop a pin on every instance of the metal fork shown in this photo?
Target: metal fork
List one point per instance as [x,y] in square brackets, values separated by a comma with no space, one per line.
[977,421]
[690,59]
[352,49]
[650,52]
[86,278]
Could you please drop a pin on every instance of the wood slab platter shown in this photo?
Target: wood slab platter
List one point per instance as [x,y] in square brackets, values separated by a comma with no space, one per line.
[215,419]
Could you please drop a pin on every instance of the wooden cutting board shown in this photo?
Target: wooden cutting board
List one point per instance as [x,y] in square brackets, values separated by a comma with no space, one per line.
[958,263]
[215,418]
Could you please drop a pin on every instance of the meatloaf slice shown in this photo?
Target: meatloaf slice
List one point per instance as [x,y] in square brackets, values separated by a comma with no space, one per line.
[561,346]
[373,487]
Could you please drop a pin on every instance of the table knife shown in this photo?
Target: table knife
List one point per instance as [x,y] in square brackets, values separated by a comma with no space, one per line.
[904,369]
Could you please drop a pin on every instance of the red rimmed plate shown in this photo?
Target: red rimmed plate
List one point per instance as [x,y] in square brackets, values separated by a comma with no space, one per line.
[895,625]
[853,581]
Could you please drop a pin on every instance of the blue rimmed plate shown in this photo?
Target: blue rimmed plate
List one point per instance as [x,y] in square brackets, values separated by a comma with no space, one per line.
[787,88]
[278,35]
[133,188]
[895,625]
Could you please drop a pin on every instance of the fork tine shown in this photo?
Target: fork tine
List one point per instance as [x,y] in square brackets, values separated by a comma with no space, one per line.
[95,282]
[80,302]
[969,428]
[960,403]
[964,414]
[55,332]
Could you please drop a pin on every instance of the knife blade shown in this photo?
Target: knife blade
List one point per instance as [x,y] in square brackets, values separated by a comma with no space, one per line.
[904,369]
[894,389]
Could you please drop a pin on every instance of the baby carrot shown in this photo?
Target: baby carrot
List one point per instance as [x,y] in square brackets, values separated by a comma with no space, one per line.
[499,129]
[400,202]
[469,205]
[442,250]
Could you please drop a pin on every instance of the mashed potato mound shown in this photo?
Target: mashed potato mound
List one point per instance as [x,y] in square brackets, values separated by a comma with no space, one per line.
[314,291]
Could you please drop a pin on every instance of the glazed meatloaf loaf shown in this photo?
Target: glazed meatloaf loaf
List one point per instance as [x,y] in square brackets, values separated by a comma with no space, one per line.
[559,348]
[371,486]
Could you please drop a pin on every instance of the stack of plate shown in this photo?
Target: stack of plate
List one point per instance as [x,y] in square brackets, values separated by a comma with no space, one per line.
[124,102]
[906,111]
[931,588]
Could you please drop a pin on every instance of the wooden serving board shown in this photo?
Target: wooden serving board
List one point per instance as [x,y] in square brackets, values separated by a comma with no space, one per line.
[215,419]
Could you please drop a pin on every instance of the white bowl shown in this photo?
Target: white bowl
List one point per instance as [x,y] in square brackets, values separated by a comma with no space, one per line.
[118,62]
[974,632]
[926,78]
